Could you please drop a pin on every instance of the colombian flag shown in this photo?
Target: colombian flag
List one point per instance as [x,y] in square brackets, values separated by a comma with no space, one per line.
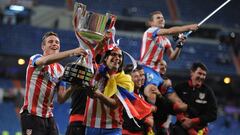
[134,105]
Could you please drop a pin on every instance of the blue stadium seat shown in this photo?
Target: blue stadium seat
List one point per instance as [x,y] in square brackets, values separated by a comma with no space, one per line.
[9,121]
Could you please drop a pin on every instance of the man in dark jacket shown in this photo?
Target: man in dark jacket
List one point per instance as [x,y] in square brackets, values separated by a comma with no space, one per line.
[201,101]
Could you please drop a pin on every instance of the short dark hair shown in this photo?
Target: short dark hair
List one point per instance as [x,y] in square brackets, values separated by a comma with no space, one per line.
[197,65]
[47,34]
[152,14]
[129,68]
[139,67]
[150,18]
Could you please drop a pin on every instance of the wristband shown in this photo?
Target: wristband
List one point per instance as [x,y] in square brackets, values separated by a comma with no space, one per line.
[195,120]
[180,45]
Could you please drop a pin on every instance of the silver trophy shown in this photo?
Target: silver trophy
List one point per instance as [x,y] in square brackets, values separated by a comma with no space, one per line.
[90,28]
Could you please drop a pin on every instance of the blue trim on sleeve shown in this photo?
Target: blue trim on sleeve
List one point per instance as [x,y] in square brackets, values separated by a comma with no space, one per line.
[35,59]
[170,90]
[154,34]
[63,83]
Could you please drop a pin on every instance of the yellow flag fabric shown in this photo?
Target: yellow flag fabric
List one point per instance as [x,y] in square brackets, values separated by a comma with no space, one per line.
[150,132]
[119,79]
[200,132]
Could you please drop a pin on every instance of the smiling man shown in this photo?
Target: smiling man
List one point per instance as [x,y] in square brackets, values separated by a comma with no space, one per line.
[42,82]
[103,114]
[201,101]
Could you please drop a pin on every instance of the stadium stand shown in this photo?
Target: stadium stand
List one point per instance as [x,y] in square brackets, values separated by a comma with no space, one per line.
[189,11]
[211,54]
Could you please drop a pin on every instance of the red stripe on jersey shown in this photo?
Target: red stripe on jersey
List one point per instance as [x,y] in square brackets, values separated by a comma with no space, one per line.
[112,114]
[59,68]
[52,69]
[103,116]
[94,111]
[51,106]
[45,101]
[36,93]
[149,60]
[160,57]
[120,112]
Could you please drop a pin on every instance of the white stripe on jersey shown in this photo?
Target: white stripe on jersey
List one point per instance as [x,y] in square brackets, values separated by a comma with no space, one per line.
[98,114]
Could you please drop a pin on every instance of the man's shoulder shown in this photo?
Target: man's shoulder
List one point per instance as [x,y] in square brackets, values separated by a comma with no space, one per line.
[182,84]
[36,56]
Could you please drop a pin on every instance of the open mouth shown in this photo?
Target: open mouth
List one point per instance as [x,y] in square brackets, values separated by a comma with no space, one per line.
[54,48]
[116,62]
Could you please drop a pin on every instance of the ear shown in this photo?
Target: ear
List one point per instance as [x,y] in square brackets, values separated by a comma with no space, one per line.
[105,60]
[191,72]
[149,23]
[43,47]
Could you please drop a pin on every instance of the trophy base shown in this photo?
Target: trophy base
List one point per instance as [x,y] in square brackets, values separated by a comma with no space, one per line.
[79,74]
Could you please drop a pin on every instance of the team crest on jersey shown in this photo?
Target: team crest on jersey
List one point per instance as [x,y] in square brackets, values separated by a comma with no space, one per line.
[51,78]
[149,77]
[201,95]
[29,131]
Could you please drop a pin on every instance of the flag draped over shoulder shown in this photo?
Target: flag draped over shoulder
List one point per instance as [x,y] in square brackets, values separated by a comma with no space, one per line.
[119,79]
[123,86]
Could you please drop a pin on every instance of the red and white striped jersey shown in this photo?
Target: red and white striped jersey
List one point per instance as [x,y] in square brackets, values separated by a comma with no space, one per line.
[40,87]
[153,48]
[99,115]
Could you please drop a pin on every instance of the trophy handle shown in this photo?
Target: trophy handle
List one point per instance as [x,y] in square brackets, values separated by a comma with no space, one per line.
[82,7]
[79,12]
[113,20]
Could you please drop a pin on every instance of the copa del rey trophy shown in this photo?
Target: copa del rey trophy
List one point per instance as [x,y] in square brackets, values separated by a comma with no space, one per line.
[90,28]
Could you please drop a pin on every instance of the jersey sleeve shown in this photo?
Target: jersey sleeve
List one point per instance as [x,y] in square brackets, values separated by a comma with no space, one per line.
[153,32]
[33,59]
